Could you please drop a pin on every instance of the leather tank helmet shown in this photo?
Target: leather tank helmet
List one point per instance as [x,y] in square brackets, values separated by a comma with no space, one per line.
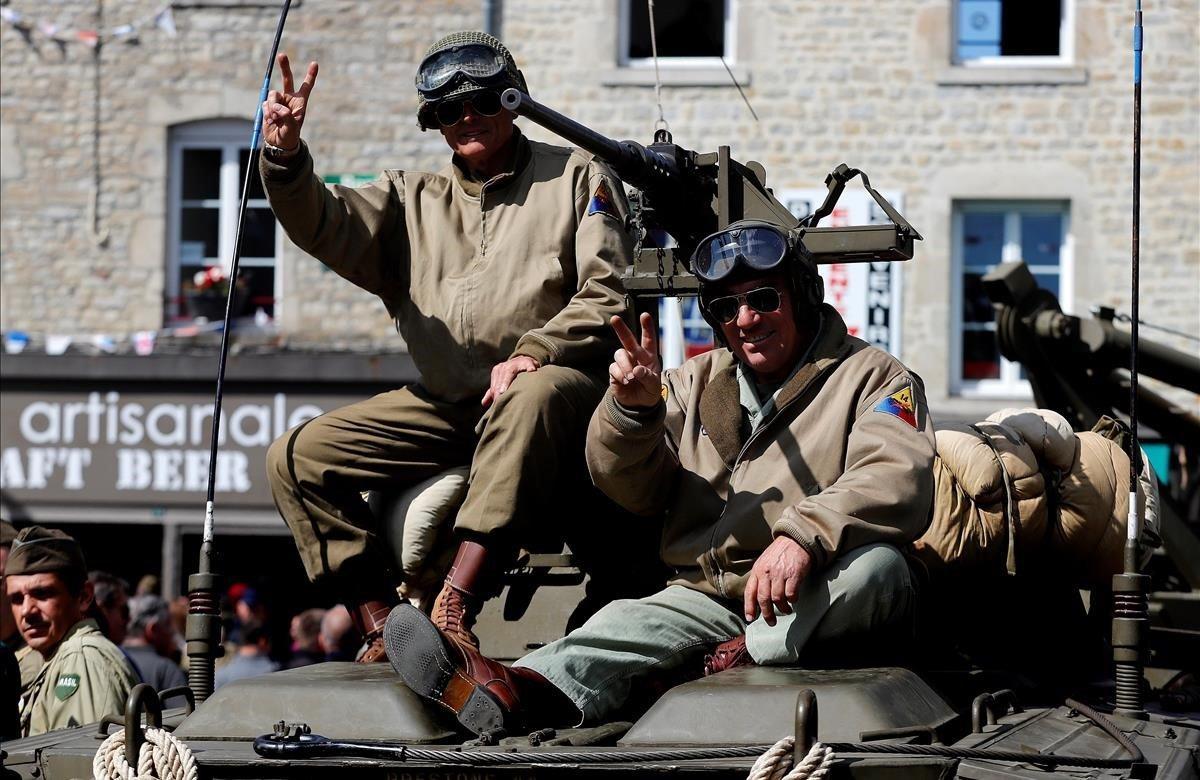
[748,249]
[461,63]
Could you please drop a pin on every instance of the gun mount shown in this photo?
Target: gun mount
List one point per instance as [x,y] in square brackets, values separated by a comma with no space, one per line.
[684,195]
[1080,366]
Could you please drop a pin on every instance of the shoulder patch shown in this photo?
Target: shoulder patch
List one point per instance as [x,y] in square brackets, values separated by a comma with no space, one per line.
[663,392]
[900,404]
[602,202]
[66,686]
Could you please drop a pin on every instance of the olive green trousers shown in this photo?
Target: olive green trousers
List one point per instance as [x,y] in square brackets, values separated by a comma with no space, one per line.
[527,470]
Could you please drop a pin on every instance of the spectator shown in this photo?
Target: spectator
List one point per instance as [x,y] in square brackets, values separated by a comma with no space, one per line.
[306,638]
[248,607]
[148,585]
[29,661]
[112,604]
[253,656]
[85,676]
[338,635]
[150,643]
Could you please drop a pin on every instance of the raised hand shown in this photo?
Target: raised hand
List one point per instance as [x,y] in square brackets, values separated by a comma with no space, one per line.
[284,112]
[635,375]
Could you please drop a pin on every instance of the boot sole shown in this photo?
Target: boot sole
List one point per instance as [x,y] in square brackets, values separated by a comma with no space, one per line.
[419,655]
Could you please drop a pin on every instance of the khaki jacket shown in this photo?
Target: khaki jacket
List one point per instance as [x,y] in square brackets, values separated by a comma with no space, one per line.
[836,467]
[526,263]
[29,661]
[86,678]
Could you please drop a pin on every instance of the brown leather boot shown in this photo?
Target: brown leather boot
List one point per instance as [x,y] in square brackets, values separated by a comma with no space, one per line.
[370,617]
[484,695]
[728,655]
[467,586]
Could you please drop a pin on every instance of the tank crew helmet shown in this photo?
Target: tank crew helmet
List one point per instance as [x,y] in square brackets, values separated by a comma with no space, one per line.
[747,249]
[460,64]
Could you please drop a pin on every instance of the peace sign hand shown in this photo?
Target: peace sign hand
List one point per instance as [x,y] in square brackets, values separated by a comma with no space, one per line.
[635,376]
[284,112]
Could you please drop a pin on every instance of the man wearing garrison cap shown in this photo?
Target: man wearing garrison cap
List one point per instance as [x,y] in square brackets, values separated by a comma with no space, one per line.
[85,676]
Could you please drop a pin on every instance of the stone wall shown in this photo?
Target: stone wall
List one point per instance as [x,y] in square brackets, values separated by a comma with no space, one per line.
[867,82]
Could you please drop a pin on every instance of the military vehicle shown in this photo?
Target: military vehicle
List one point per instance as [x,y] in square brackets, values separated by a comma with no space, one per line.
[926,710]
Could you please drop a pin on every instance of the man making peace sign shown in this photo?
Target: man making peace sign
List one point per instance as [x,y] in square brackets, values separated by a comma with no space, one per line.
[790,466]
[501,271]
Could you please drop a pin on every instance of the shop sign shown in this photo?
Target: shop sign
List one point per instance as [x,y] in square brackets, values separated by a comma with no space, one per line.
[867,295]
[118,447]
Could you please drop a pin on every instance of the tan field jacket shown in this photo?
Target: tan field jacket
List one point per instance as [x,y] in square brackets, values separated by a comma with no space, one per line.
[526,263]
[84,679]
[836,467]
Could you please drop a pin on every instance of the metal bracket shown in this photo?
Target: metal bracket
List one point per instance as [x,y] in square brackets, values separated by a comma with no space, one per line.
[806,725]
[982,712]
[142,699]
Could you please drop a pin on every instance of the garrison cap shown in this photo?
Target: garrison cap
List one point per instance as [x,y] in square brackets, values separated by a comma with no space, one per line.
[7,533]
[37,550]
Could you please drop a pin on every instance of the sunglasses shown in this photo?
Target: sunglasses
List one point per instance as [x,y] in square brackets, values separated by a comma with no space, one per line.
[763,300]
[485,103]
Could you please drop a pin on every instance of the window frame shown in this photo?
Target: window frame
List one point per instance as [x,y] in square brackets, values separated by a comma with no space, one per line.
[1064,58]
[624,20]
[1009,385]
[232,136]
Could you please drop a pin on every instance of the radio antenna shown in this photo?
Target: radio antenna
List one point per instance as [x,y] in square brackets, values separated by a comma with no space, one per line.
[1130,607]
[203,630]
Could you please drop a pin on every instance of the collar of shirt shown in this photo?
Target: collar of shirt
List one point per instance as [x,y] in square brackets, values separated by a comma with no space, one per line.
[473,186]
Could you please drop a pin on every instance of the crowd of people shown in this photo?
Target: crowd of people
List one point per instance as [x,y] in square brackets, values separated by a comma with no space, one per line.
[74,641]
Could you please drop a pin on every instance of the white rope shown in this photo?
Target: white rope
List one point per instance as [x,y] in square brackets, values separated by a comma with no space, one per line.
[775,763]
[162,757]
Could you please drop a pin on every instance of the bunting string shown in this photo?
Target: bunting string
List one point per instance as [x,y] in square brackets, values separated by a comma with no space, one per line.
[162,20]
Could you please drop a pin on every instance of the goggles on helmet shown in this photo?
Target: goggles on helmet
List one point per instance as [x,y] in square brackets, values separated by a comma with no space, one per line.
[760,247]
[443,70]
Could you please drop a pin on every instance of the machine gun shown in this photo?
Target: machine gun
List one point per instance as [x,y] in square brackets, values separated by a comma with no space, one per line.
[685,195]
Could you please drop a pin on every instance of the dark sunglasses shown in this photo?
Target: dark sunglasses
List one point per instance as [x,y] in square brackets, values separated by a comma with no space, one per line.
[763,300]
[451,112]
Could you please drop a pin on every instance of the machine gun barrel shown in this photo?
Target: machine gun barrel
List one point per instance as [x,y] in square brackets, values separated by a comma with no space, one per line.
[643,168]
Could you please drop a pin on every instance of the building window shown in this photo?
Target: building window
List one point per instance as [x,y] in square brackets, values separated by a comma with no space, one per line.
[1013,32]
[987,233]
[688,31]
[207,168]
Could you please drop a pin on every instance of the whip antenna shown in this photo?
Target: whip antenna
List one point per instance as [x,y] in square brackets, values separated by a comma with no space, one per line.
[203,632]
[1130,603]
[1134,319]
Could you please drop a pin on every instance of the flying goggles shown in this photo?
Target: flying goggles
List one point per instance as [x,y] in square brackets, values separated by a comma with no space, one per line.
[757,246]
[442,71]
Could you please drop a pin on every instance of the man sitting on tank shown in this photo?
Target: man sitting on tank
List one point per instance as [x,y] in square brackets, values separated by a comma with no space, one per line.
[501,271]
[790,464]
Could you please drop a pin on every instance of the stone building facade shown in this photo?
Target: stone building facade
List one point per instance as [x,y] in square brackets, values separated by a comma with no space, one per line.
[86,138]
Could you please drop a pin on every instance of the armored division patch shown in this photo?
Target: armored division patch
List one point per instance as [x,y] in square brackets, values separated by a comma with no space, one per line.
[602,202]
[66,686]
[900,404]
